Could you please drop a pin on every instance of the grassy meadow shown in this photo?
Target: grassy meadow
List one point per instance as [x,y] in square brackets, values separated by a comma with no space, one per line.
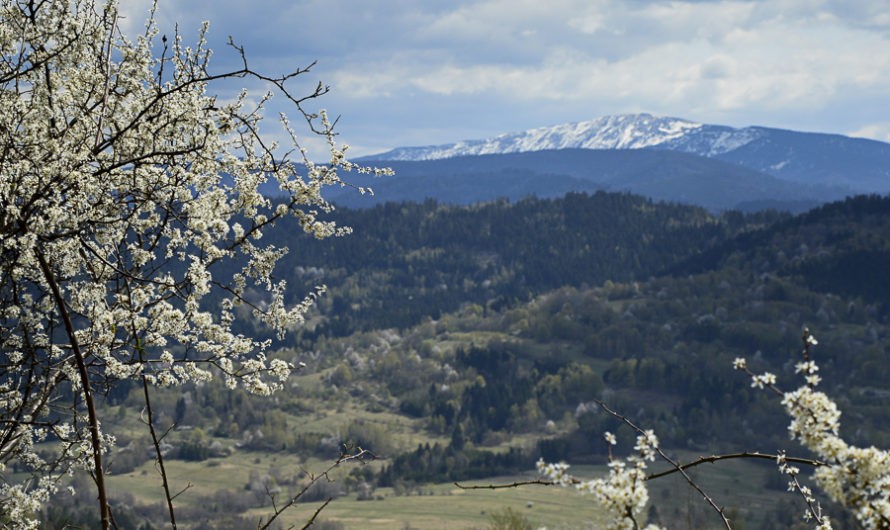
[736,485]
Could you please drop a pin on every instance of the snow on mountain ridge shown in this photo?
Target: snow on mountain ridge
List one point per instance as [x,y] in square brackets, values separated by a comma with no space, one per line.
[623,131]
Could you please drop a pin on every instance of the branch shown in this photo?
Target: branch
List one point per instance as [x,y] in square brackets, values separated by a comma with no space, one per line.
[311,520]
[96,440]
[745,454]
[183,490]
[156,442]
[505,486]
[676,466]
[813,507]
[360,456]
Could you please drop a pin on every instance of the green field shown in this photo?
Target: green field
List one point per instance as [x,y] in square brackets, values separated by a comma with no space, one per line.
[736,485]
[446,506]
[432,506]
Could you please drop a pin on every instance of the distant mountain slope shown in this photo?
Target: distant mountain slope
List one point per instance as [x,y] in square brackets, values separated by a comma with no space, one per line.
[631,131]
[824,159]
[832,160]
[657,174]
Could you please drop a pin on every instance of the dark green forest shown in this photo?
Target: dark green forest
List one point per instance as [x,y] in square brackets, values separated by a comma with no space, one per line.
[408,261]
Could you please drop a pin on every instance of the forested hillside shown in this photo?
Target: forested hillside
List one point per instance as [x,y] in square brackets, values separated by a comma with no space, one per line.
[407,261]
[466,342]
[841,247]
[671,332]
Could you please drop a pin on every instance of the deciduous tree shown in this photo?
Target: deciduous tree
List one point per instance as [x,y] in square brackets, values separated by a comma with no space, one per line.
[125,184]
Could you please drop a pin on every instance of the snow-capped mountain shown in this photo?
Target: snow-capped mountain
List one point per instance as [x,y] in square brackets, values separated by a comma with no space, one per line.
[669,159]
[832,160]
[625,131]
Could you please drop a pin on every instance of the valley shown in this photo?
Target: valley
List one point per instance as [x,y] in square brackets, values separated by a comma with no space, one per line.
[467,342]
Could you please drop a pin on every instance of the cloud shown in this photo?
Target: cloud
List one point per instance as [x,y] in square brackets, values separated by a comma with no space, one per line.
[525,63]
[875,131]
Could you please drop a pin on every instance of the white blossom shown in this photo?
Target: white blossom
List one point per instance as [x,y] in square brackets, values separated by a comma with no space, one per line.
[857,478]
[765,379]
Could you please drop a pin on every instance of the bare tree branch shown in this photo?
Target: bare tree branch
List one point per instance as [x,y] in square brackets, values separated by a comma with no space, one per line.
[730,456]
[360,456]
[517,484]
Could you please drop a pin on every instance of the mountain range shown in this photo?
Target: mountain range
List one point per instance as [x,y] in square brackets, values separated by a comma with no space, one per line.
[673,159]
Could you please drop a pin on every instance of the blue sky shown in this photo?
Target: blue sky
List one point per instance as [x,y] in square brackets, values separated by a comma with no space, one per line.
[420,72]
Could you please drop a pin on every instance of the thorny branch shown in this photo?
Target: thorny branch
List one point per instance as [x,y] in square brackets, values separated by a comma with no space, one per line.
[362,456]
[516,484]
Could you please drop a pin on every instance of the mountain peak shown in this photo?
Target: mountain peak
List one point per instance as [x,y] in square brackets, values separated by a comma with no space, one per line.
[621,131]
[830,160]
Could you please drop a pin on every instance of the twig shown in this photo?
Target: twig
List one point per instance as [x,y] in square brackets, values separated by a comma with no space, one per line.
[360,456]
[677,466]
[183,490]
[156,442]
[729,456]
[505,486]
[311,520]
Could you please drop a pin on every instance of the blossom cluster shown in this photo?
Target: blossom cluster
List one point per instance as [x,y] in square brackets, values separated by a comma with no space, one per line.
[856,477]
[622,493]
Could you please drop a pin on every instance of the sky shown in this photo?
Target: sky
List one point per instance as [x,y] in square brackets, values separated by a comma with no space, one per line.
[427,72]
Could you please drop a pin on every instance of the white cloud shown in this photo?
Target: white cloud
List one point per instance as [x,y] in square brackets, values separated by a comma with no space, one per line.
[875,131]
[132,15]
[796,63]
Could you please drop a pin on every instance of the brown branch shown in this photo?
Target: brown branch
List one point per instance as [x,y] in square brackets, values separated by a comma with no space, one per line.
[312,519]
[505,486]
[360,456]
[183,490]
[156,442]
[745,454]
[93,417]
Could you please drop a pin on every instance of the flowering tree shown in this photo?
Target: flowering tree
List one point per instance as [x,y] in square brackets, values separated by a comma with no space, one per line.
[124,185]
[856,478]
